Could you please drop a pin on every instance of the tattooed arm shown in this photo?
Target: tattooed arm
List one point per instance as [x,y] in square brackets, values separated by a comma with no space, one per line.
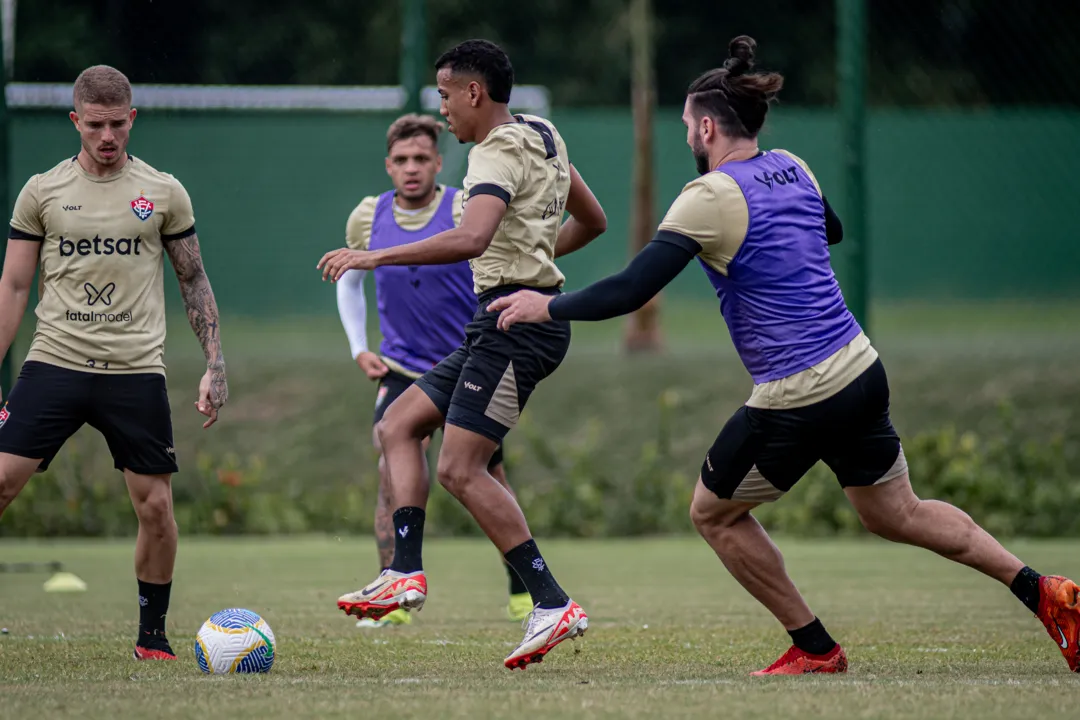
[202,313]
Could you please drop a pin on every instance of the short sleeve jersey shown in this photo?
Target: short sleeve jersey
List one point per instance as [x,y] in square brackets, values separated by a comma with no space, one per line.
[526,165]
[713,211]
[101,305]
[358,227]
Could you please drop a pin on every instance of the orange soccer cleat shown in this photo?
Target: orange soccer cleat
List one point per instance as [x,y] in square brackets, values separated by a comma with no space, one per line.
[799,662]
[1060,615]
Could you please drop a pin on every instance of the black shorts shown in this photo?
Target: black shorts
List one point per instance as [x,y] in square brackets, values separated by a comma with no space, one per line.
[391,386]
[48,404]
[761,454]
[484,384]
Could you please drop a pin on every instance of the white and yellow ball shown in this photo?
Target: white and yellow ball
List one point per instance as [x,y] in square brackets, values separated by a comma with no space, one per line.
[235,641]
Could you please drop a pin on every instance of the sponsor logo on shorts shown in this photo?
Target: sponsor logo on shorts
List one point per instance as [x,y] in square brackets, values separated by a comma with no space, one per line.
[472,386]
[142,208]
[171,451]
[708,462]
[4,415]
[383,391]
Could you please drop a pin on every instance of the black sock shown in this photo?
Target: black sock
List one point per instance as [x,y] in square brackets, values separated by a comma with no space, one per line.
[153,606]
[516,586]
[1025,586]
[812,638]
[526,561]
[408,539]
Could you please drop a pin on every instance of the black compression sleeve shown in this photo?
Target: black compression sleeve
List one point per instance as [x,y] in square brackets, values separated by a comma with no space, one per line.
[655,266]
[834,229]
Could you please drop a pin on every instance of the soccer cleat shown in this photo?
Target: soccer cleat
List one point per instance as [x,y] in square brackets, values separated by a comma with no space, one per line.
[1059,611]
[398,617]
[390,591]
[153,646]
[546,629]
[519,607]
[799,662]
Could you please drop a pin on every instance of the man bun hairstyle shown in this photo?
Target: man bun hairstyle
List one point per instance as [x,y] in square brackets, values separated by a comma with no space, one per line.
[484,59]
[735,95]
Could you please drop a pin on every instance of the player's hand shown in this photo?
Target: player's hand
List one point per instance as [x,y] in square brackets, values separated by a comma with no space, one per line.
[524,306]
[372,365]
[213,393]
[335,263]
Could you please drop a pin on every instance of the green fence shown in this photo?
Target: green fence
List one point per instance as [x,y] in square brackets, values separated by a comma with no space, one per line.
[963,204]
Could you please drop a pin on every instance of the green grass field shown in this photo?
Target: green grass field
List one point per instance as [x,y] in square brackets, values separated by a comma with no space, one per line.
[671,635]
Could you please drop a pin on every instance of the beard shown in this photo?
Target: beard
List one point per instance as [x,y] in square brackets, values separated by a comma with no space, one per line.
[701,157]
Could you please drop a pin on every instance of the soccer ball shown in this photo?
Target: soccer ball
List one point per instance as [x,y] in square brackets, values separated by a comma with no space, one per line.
[235,641]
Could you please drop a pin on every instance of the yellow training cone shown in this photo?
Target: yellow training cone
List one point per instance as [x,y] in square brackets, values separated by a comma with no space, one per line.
[65,582]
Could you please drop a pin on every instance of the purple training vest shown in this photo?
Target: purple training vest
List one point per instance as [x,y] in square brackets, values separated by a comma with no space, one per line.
[780,299]
[423,309]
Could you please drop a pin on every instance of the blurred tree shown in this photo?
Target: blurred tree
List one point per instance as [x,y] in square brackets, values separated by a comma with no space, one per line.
[642,327]
[923,52]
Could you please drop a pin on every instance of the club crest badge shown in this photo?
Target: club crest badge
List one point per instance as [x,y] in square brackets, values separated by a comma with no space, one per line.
[142,208]
[4,415]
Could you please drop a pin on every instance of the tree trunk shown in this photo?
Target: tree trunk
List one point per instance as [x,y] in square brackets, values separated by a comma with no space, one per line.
[643,327]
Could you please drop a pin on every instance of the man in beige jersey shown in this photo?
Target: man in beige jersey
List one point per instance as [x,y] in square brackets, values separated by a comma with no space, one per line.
[422,311]
[98,225]
[518,185]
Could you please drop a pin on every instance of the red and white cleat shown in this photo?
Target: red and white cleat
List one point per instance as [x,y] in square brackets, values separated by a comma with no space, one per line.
[390,591]
[545,630]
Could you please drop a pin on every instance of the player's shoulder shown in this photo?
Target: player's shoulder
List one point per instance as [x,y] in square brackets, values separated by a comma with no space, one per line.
[792,156]
[365,208]
[42,185]
[712,186]
[148,174]
[801,163]
[60,172]
[529,133]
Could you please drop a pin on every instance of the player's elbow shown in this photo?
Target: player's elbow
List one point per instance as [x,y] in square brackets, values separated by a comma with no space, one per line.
[473,243]
[597,223]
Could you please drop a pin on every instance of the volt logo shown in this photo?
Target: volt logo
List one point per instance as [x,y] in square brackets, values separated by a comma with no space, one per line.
[104,295]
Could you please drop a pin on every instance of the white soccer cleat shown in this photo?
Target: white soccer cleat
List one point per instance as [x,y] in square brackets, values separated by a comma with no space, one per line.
[546,629]
[390,591]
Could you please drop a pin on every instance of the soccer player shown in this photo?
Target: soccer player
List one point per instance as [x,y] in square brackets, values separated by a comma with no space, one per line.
[99,224]
[423,311]
[760,227]
[518,184]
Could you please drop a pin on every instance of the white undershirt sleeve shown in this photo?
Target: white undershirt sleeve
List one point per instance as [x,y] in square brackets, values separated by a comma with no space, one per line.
[353,309]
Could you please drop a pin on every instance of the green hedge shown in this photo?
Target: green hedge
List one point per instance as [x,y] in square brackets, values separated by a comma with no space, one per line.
[1011,486]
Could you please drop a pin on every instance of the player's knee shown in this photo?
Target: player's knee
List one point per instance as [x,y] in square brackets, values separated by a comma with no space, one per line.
[887,523]
[382,470]
[155,511]
[454,475]
[712,519]
[702,517]
[392,429]
[11,481]
[8,489]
